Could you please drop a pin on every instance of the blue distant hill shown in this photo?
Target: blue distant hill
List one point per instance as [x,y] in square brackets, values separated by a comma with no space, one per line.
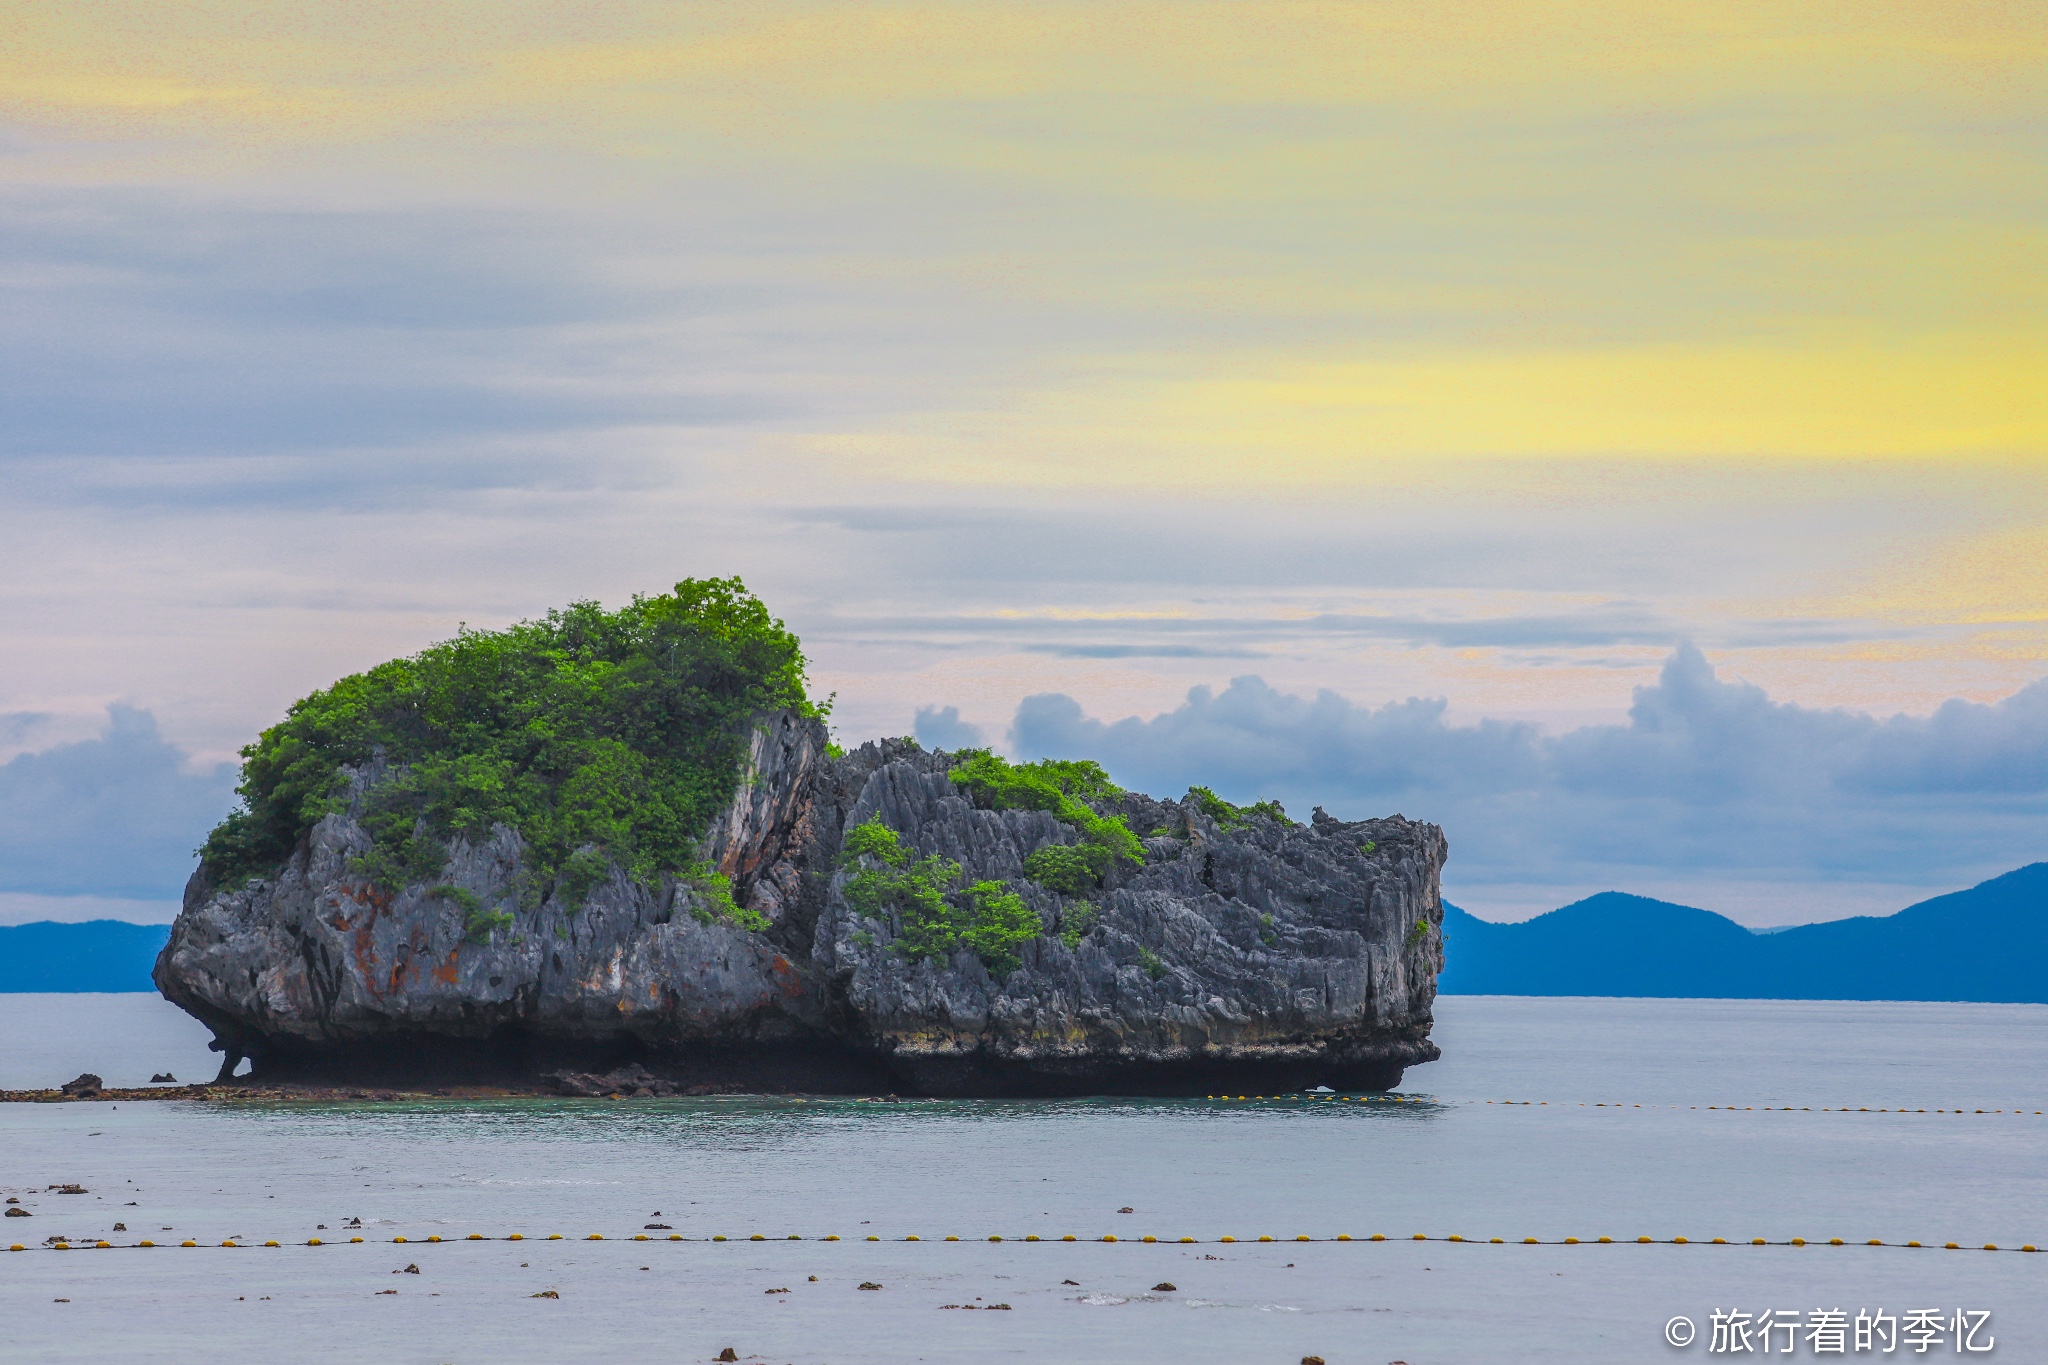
[1988,943]
[98,955]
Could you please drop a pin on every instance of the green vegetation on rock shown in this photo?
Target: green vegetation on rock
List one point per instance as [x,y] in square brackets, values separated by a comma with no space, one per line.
[998,925]
[889,877]
[1228,816]
[1070,869]
[715,902]
[873,839]
[934,919]
[602,738]
[1061,787]
[478,924]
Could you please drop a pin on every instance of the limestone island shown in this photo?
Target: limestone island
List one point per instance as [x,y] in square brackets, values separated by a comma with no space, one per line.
[617,852]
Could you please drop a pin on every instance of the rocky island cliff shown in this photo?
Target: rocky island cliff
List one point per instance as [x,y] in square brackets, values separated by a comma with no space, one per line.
[882,919]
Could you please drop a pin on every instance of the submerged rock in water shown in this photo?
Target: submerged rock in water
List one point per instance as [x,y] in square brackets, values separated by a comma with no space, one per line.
[1244,953]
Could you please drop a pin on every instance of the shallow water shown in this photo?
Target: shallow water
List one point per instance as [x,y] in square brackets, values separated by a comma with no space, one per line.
[1450,1162]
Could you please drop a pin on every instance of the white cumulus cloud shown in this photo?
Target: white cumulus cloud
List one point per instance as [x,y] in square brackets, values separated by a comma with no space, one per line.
[1708,779]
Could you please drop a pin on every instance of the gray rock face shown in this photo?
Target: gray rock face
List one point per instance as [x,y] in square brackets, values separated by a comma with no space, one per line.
[1261,957]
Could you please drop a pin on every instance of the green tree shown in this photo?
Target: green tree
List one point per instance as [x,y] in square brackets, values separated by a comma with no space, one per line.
[620,734]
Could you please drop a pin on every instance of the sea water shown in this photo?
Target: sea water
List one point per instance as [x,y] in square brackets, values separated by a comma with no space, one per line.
[1547,1118]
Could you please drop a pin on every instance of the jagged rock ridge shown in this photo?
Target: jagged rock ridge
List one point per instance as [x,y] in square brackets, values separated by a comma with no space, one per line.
[1262,956]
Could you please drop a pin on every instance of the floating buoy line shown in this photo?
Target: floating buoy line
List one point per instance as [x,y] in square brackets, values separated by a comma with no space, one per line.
[1368,1099]
[239,1244]
[1607,1104]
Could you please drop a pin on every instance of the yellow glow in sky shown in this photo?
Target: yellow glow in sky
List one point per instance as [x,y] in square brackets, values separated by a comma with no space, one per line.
[992,249]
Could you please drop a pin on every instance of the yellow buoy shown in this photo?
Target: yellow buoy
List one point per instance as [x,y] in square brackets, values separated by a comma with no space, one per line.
[476,1236]
[397,1239]
[1032,1238]
[145,1243]
[355,1239]
[1190,1239]
[1112,1237]
[757,1237]
[1377,1237]
[1226,1239]
[593,1237]
[675,1236]
[1150,1238]
[434,1239]
[952,1239]
[640,1237]
[721,1239]
[1342,1237]
[312,1241]
[998,1239]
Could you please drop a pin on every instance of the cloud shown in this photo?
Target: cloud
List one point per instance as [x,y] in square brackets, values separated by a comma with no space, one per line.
[147,326]
[942,728]
[117,816]
[1708,778]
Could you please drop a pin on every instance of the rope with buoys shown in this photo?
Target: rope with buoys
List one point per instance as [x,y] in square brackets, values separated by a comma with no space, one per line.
[65,1244]
[1602,1104]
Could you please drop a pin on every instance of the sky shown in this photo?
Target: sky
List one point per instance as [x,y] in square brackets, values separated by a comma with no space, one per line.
[1617,434]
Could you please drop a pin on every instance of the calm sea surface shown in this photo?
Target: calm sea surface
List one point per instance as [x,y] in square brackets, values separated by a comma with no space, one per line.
[1581,1159]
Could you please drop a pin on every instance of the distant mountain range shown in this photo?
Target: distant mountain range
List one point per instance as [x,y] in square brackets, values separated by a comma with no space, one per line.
[97,955]
[1988,943]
